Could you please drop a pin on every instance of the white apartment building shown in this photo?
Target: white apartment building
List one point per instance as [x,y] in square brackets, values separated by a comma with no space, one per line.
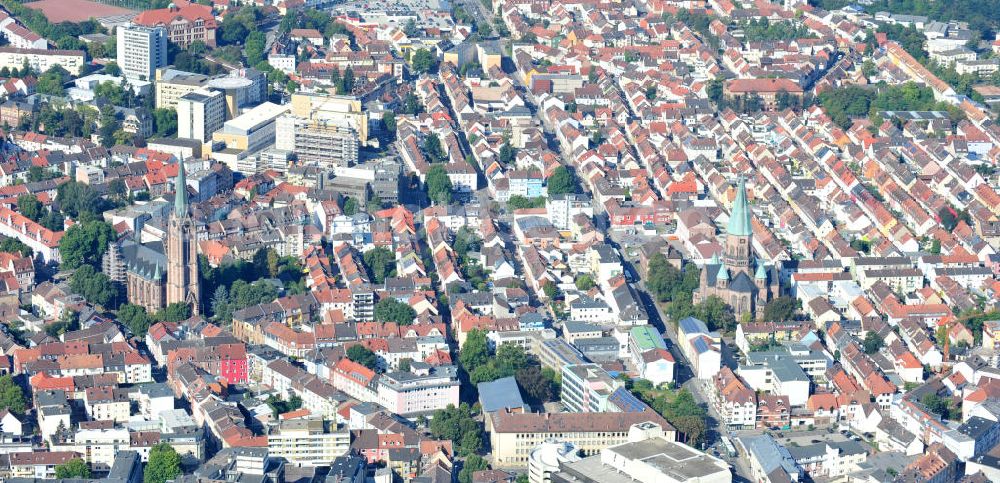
[200,113]
[308,441]
[141,50]
[42,60]
[420,390]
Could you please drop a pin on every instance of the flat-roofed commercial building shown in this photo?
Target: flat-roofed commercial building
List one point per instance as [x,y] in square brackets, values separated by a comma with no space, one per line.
[514,435]
[653,460]
[172,84]
[252,131]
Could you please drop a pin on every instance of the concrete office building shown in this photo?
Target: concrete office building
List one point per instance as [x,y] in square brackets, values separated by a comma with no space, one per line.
[245,135]
[141,50]
[172,84]
[199,114]
[586,388]
[547,457]
[316,143]
[330,109]
[242,88]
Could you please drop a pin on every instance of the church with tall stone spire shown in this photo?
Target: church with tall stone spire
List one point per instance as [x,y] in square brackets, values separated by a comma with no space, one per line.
[739,278]
[182,250]
[156,273]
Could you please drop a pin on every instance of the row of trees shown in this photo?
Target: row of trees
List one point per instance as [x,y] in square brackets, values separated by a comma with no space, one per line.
[763,30]
[845,104]
[29,206]
[982,15]
[537,384]
[679,409]
[240,295]
[675,287]
[138,320]
[266,263]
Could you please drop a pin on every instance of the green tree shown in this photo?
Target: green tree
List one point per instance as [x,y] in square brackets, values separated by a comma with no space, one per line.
[433,150]
[475,352]
[280,406]
[38,173]
[69,322]
[781,309]
[535,384]
[110,91]
[938,405]
[585,282]
[51,82]
[350,206]
[11,396]
[79,201]
[391,310]
[164,464]
[422,61]
[29,206]
[135,318]
[518,202]
[458,424]
[254,47]
[561,181]
[112,68]
[165,122]
[381,264]
[684,412]
[174,312]
[95,286]
[872,342]
[550,290]
[439,187]
[363,355]
[85,244]
[389,122]
[472,464]
[74,468]
[13,245]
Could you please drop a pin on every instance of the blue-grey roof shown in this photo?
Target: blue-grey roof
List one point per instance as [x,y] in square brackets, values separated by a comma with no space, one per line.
[626,401]
[742,284]
[786,370]
[500,394]
[770,454]
[691,325]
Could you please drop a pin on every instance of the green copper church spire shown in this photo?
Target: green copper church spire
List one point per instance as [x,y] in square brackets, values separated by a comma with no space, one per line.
[180,198]
[739,219]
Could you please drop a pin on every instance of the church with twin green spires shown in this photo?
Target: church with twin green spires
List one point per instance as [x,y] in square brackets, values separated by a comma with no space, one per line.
[739,278]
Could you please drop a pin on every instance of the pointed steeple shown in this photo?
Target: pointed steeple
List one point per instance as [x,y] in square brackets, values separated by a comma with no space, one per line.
[156,272]
[761,271]
[180,198]
[715,259]
[739,219]
[723,273]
